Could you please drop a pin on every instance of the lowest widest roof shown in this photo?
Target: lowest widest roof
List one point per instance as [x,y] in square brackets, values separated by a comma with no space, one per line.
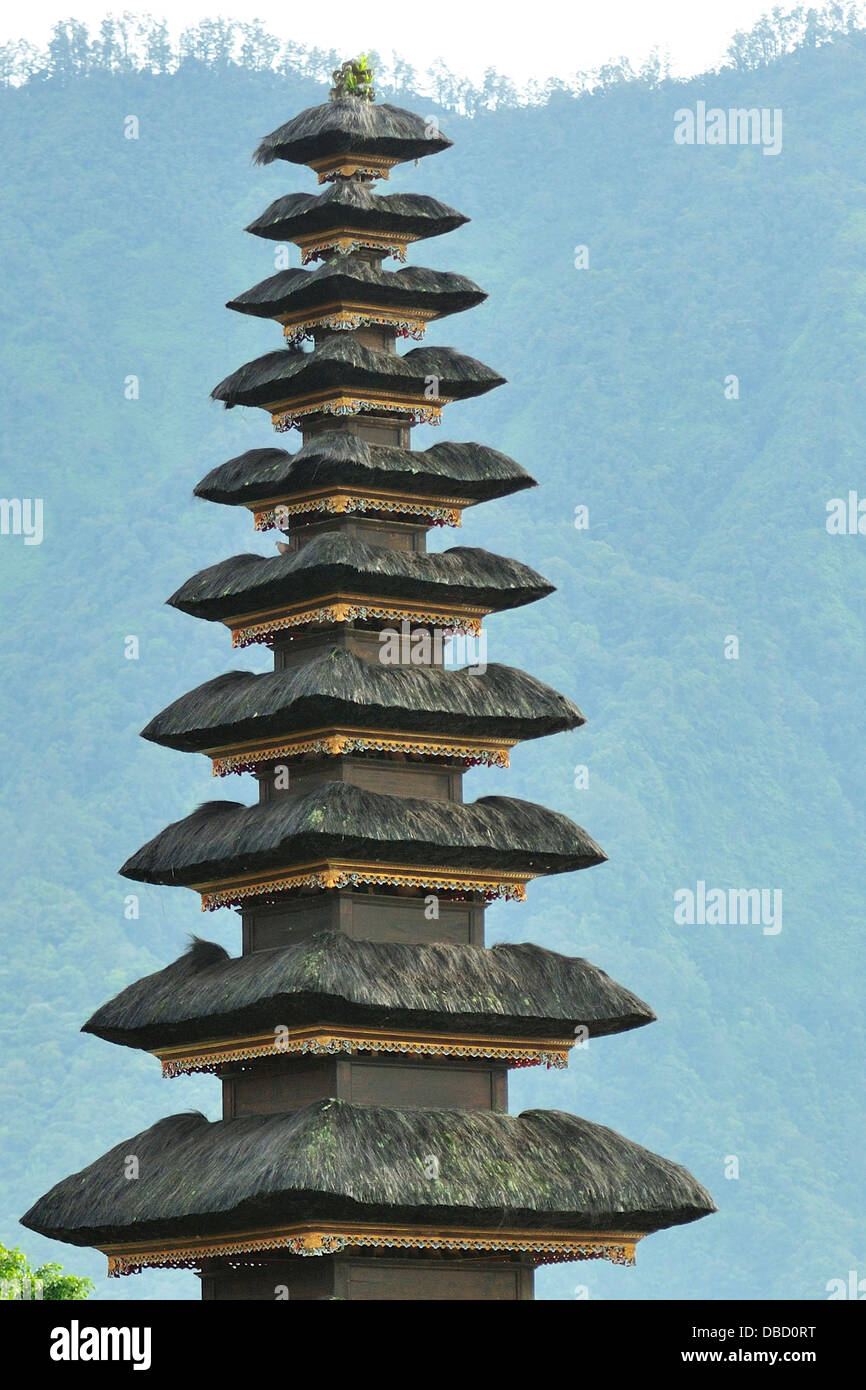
[335,686]
[334,1160]
[521,990]
[335,459]
[495,833]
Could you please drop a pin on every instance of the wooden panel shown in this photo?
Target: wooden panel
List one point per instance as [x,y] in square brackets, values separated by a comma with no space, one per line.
[376,431]
[269,1090]
[363,916]
[378,917]
[364,642]
[428,780]
[302,1279]
[365,1279]
[399,535]
[380,337]
[426,783]
[267,927]
[402,1281]
[449,1085]
[500,1089]
[266,1087]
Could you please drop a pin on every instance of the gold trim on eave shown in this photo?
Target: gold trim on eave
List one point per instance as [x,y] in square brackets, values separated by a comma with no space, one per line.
[445,511]
[346,873]
[419,410]
[349,315]
[345,166]
[330,1238]
[346,240]
[346,608]
[321,1040]
[246,757]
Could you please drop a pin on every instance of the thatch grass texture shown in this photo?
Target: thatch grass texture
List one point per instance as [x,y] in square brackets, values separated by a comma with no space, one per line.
[510,990]
[349,279]
[337,687]
[335,459]
[351,127]
[340,820]
[343,363]
[337,563]
[332,1159]
[347,202]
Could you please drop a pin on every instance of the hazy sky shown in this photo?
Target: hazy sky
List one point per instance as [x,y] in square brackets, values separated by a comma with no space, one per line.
[525,40]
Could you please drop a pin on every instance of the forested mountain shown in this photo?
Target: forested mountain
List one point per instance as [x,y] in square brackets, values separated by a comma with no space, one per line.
[707,504]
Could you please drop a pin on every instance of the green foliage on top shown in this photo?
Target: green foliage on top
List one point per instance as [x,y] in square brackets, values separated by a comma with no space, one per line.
[353,78]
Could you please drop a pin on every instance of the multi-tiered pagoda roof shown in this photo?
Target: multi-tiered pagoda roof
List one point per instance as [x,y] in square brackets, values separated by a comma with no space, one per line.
[506,999]
[363,1037]
[348,293]
[347,216]
[344,473]
[339,700]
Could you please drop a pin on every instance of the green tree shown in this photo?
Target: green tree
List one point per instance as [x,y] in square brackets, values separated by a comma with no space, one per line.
[18,1279]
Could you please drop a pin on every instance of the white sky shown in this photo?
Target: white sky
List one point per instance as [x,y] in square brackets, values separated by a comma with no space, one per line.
[521,38]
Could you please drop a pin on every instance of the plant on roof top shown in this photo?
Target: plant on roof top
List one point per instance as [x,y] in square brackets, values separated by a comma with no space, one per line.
[353,79]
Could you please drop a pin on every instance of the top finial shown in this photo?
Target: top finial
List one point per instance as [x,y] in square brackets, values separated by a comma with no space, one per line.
[353,79]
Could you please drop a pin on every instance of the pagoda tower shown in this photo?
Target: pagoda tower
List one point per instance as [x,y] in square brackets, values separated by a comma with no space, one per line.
[364,1035]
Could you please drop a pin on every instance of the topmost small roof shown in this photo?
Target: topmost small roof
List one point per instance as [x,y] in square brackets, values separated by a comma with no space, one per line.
[352,127]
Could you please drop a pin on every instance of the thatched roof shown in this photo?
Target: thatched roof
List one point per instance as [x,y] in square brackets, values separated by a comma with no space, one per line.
[351,127]
[334,459]
[336,687]
[339,820]
[343,363]
[350,204]
[351,280]
[335,1160]
[517,990]
[336,563]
